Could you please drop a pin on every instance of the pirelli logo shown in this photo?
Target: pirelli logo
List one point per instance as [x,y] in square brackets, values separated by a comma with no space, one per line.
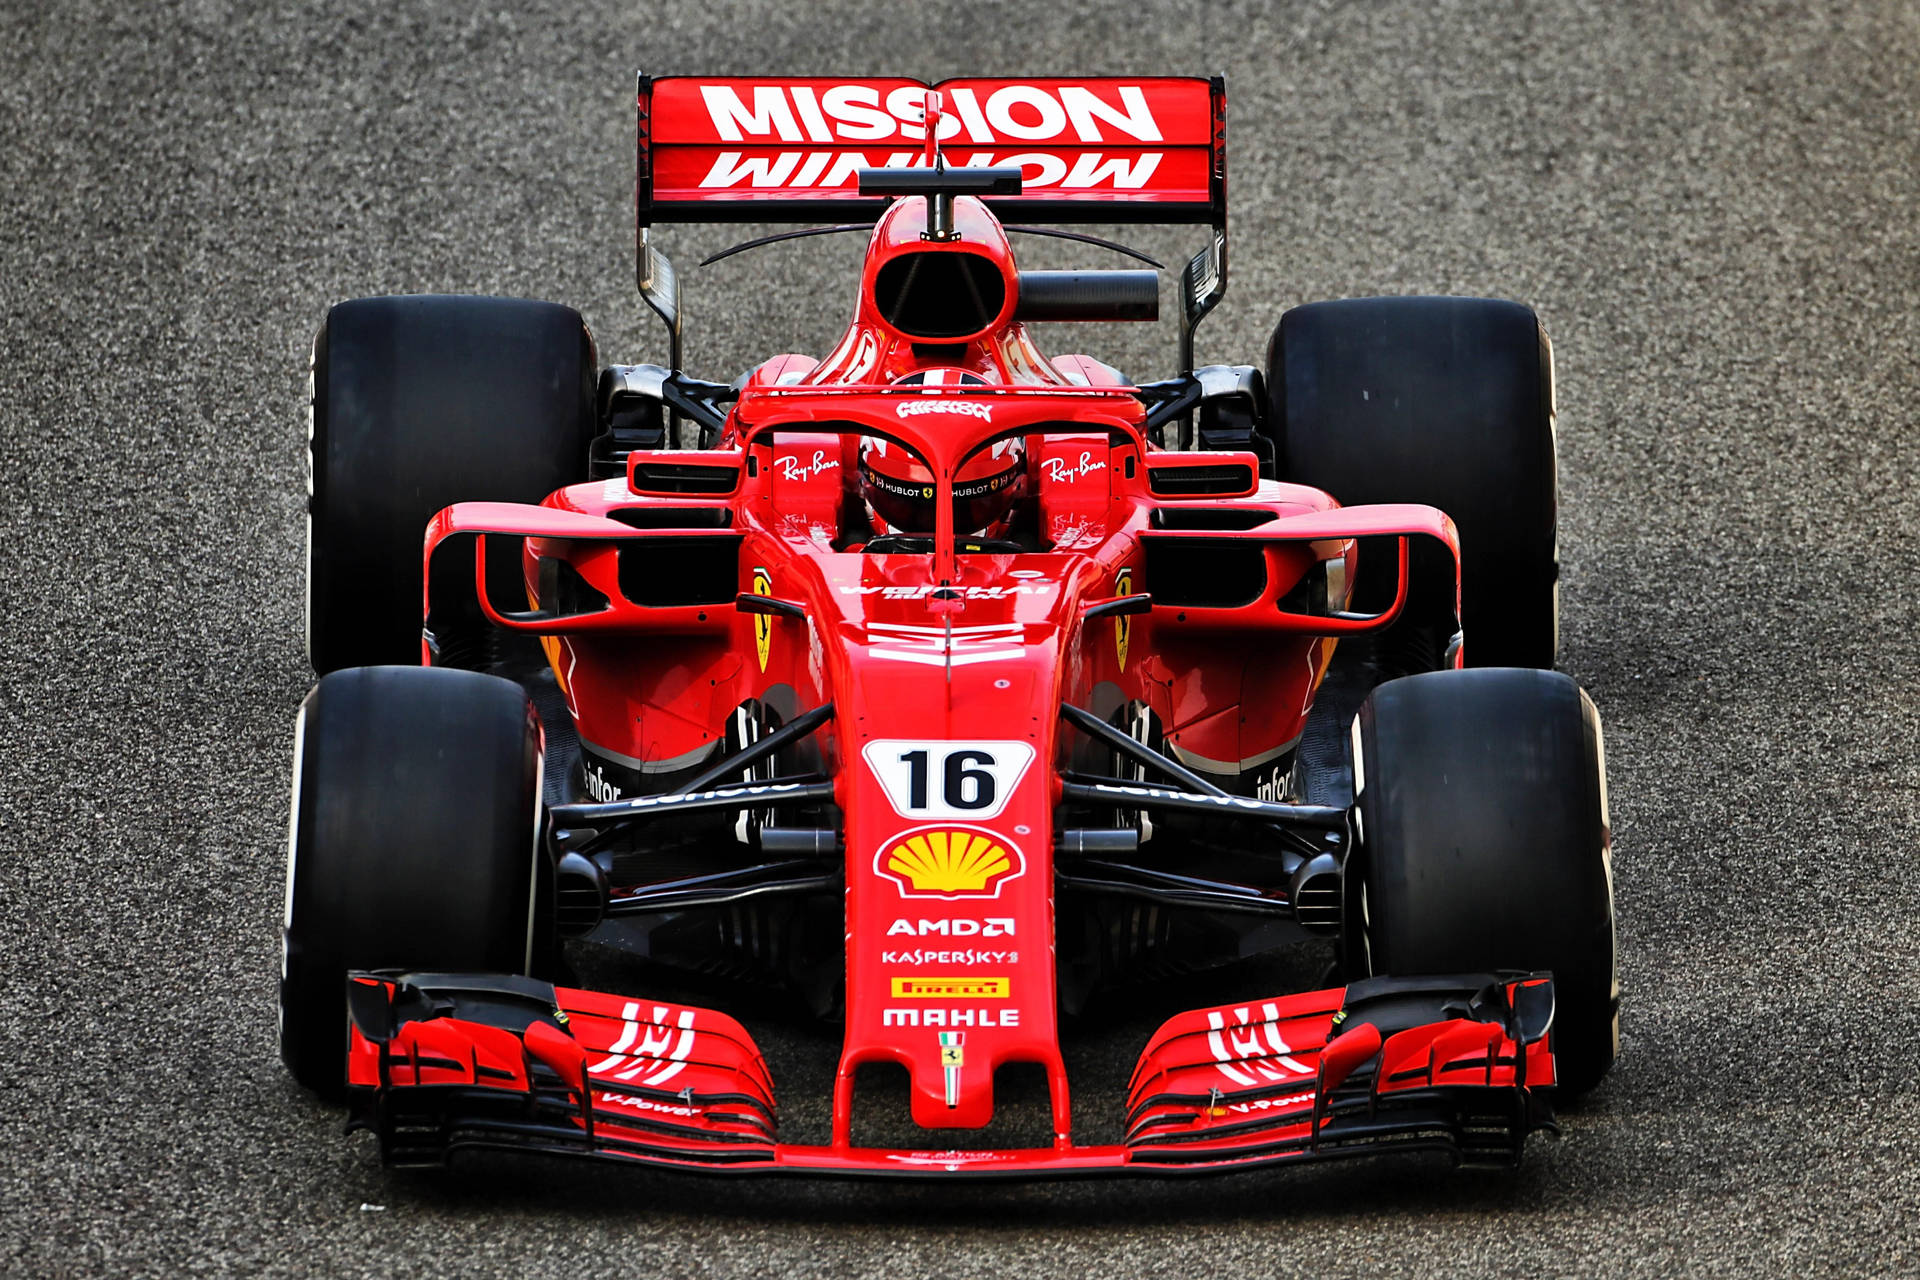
[951,988]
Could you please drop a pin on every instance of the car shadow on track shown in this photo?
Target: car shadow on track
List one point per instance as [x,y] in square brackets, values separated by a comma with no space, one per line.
[481,1185]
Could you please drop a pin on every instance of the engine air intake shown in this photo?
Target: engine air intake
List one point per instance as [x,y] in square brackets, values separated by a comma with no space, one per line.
[939,295]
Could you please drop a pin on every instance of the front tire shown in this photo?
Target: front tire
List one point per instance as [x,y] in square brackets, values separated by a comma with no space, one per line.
[412,843]
[1442,401]
[1485,845]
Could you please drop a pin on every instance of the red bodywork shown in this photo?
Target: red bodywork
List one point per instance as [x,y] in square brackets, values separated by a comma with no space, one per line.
[1217,1089]
[949,904]
[1146,148]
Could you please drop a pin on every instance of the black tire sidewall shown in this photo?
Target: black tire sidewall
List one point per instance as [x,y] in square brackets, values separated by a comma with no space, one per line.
[412,846]
[419,402]
[1443,401]
[1485,843]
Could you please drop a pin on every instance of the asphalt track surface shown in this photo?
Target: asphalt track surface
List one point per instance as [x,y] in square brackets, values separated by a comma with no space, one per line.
[1715,209]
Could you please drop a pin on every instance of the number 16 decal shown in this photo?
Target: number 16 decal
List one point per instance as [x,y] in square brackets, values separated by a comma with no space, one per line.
[947,779]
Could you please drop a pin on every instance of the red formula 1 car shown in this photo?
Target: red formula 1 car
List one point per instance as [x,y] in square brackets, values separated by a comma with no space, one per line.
[942,684]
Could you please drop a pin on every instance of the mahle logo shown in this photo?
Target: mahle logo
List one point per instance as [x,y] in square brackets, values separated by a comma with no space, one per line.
[949,862]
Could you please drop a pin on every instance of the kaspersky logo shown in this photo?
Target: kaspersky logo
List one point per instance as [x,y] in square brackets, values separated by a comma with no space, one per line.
[949,862]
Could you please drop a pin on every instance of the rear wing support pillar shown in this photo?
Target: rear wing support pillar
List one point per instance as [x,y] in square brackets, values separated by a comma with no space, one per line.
[1204,282]
[660,290]
[653,272]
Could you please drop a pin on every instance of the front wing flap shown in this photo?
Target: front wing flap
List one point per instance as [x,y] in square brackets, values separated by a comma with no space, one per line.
[1455,1063]
[441,1062]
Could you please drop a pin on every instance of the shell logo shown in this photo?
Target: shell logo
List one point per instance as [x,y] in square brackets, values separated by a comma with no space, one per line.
[949,862]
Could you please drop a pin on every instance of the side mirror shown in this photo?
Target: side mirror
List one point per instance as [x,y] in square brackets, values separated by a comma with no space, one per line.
[632,415]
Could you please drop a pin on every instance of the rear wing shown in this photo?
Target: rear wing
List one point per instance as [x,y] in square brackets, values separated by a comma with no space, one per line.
[754,149]
[1113,149]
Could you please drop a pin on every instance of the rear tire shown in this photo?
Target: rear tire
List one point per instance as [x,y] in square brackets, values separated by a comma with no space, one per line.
[1484,845]
[420,402]
[412,843]
[1443,401]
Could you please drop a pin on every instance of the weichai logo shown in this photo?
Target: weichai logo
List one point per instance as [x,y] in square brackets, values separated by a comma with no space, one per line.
[949,862]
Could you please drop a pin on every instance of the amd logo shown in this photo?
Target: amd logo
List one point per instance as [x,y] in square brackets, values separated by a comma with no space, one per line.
[991,927]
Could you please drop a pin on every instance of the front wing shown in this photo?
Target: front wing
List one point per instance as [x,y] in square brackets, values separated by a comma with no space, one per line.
[442,1062]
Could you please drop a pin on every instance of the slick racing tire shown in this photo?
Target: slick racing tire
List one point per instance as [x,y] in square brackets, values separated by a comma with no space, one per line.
[1442,401]
[1484,845]
[420,402]
[412,844]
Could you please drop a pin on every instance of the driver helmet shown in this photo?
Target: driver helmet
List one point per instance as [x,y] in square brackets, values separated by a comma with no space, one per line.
[898,488]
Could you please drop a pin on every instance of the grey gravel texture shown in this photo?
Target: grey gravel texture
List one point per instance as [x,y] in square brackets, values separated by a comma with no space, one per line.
[1713,206]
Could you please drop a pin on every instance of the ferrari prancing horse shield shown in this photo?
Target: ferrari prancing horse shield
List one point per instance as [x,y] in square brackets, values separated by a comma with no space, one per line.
[762,623]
